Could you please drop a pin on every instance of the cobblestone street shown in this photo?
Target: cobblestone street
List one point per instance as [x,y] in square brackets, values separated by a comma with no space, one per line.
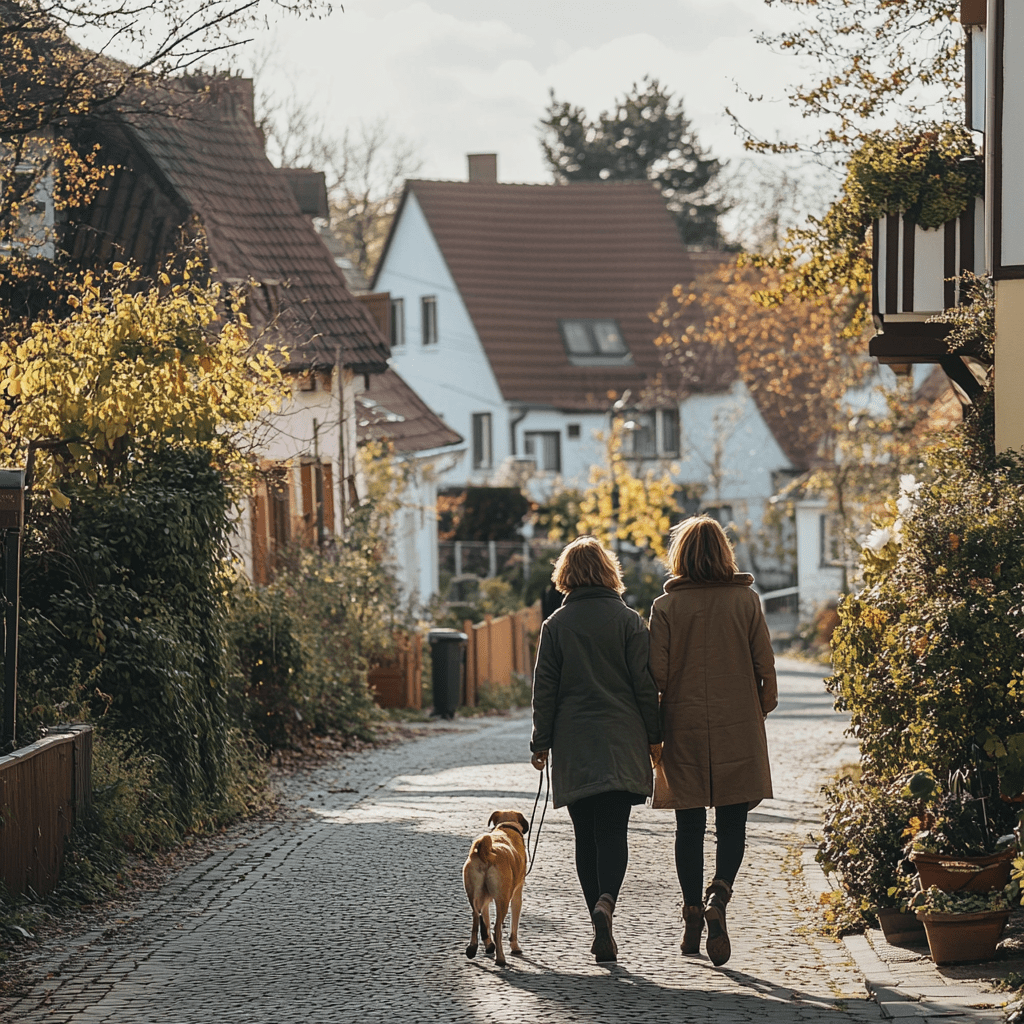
[349,907]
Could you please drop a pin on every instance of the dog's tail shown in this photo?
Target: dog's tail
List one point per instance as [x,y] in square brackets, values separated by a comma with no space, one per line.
[482,850]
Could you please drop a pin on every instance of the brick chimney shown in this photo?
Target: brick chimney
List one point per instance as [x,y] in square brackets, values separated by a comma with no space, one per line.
[483,168]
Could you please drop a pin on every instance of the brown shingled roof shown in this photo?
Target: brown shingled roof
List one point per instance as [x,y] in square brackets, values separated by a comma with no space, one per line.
[209,151]
[524,256]
[390,410]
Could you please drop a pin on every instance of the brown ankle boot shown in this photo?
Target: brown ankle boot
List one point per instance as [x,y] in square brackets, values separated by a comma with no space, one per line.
[693,927]
[715,899]
[604,948]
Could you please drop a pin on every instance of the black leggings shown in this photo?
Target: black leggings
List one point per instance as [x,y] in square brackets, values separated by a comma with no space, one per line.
[601,824]
[731,834]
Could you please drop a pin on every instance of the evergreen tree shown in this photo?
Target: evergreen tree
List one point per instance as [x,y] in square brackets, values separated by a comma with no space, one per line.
[647,136]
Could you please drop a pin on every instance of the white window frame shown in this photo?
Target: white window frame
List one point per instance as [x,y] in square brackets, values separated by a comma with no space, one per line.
[663,425]
[530,447]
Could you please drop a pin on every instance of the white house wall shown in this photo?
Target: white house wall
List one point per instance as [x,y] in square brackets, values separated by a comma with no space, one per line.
[415,553]
[577,454]
[453,377]
[287,436]
[819,584]
[728,428]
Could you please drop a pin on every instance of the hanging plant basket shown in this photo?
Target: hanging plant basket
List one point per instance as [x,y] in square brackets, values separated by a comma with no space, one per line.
[957,938]
[963,874]
[900,927]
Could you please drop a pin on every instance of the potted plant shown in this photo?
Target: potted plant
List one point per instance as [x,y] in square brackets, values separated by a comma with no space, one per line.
[862,846]
[951,841]
[961,926]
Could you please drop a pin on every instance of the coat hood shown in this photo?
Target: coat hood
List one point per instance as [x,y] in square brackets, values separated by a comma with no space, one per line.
[739,579]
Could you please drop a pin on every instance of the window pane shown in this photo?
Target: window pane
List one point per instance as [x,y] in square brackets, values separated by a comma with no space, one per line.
[397,322]
[429,311]
[609,341]
[552,455]
[670,431]
[481,440]
[577,338]
[546,449]
[643,435]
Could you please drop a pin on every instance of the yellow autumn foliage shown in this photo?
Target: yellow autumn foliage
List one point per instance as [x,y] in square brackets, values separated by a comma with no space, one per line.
[132,369]
[619,504]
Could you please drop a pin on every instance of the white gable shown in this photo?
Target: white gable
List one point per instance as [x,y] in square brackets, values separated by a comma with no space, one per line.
[453,376]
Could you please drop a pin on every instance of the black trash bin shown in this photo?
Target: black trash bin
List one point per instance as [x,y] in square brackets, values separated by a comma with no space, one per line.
[447,658]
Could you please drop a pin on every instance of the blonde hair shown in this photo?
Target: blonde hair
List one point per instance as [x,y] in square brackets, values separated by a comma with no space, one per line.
[699,551]
[584,563]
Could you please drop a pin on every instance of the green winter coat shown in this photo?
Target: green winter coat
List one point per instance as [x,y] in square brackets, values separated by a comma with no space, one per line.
[595,706]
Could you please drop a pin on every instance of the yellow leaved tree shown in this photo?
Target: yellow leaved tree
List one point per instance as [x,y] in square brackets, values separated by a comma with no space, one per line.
[618,504]
[133,369]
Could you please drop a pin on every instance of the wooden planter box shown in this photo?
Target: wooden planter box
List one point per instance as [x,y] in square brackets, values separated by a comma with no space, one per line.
[963,874]
[957,938]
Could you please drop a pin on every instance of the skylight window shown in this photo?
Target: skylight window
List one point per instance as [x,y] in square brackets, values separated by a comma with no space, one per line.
[594,342]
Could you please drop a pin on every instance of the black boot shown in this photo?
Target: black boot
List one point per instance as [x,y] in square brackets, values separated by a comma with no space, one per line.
[715,900]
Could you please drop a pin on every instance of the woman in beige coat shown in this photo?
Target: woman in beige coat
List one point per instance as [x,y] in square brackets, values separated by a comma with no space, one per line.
[712,661]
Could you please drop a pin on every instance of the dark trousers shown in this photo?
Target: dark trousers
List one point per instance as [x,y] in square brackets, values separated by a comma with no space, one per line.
[601,824]
[731,835]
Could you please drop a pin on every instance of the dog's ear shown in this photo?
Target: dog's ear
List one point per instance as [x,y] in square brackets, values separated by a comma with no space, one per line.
[524,823]
[493,818]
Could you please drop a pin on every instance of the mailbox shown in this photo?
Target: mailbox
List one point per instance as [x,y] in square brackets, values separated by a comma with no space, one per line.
[12,499]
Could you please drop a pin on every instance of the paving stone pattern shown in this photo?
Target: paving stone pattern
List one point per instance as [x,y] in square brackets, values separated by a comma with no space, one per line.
[349,906]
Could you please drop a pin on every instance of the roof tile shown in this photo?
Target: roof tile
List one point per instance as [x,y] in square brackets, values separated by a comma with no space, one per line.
[524,256]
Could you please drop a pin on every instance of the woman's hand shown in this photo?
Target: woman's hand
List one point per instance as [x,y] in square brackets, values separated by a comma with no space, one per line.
[655,749]
[539,759]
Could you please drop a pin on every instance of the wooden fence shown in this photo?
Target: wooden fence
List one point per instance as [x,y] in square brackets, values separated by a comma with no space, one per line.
[44,789]
[398,683]
[499,647]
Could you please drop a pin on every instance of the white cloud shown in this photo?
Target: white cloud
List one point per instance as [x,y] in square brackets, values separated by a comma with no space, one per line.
[458,76]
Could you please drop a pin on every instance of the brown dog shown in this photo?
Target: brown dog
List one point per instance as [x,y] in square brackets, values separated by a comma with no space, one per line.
[495,870]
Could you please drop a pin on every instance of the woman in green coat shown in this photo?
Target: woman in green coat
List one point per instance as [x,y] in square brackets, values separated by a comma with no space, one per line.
[595,708]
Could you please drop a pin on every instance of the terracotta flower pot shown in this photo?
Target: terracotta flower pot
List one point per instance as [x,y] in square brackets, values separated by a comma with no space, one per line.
[955,938]
[900,927]
[963,874]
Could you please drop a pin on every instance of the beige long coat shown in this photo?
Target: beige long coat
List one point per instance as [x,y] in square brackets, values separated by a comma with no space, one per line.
[712,661]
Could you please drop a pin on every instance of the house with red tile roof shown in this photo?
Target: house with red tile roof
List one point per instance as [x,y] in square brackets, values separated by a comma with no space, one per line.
[521,315]
[191,161]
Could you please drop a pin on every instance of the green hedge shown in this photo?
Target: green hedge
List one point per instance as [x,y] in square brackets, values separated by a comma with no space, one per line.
[929,656]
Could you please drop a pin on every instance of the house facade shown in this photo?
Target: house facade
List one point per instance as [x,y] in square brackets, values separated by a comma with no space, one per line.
[423,449]
[197,170]
[522,315]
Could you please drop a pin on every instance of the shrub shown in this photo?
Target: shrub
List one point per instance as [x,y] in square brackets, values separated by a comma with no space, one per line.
[303,645]
[863,837]
[929,656]
[124,622]
[497,697]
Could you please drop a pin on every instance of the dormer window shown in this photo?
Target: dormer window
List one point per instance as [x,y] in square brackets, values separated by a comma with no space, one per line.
[594,342]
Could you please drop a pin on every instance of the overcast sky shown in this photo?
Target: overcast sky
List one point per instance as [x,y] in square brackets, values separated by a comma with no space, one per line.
[461,76]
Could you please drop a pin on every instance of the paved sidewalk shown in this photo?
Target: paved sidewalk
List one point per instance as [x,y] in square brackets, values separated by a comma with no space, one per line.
[350,907]
[905,982]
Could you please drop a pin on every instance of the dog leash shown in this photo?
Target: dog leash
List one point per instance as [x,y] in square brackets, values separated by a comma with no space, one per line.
[544,776]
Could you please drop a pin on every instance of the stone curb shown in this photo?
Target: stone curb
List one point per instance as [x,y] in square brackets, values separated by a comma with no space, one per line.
[928,1002]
